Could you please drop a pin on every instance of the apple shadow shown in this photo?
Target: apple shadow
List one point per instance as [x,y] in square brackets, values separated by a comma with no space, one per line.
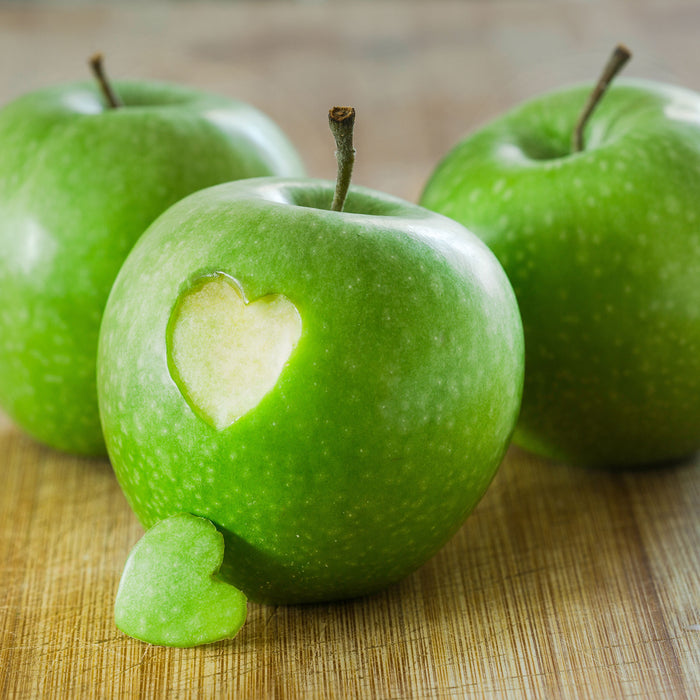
[34,453]
[546,538]
[549,537]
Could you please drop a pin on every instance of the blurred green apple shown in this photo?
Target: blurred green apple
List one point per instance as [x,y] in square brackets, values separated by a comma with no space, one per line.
[602,247]
[79,182]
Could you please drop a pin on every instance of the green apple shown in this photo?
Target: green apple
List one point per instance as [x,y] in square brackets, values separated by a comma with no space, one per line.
[79,183]
[333,390]
[602,247]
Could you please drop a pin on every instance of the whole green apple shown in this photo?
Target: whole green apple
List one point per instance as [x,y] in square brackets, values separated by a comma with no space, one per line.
[79,182]
[602,247]
[333,390]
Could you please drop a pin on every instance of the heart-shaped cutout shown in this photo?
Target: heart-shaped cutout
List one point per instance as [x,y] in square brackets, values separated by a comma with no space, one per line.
[169,593]
[226,354]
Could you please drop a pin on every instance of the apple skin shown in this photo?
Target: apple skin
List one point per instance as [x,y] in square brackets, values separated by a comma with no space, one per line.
[603,250]
[389,419]
[79,183]
[170,593]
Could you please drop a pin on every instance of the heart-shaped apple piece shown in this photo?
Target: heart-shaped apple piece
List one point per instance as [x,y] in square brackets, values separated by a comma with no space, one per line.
[226,354]
[169,593]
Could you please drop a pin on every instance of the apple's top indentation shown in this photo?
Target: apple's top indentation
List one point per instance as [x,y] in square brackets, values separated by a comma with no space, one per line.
[226,354]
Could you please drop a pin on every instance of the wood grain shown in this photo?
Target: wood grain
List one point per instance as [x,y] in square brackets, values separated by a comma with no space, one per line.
[564,583]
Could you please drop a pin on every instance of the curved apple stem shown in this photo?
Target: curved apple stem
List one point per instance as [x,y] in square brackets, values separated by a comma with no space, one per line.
[342,123]
[98,70]
[617,60]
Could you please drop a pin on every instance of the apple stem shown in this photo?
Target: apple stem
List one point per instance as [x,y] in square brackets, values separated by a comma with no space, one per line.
[342,122]
[96,64]
[617,60]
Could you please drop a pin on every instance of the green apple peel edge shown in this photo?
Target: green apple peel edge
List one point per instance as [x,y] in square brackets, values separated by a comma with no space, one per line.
[226,353]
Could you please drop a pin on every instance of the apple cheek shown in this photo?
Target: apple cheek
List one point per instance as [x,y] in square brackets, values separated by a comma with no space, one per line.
[226,354]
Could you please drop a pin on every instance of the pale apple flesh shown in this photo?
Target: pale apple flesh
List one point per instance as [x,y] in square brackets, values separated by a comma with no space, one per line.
[226,354]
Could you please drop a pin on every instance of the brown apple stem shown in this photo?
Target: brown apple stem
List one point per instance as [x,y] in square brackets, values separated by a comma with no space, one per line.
[617,60]
[98,70]
[342,123]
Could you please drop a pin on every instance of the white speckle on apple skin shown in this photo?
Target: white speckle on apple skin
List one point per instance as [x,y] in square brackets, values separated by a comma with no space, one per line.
[672,205]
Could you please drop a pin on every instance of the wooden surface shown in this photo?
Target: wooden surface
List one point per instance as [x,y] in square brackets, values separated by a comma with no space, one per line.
[563,584]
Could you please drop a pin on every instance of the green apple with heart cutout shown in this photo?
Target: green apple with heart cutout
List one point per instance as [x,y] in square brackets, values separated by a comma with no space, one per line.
[170,593]
[333,388]
[601,241]
[82,175]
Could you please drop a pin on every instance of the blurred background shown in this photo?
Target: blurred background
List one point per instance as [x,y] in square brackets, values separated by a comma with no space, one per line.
[420,74]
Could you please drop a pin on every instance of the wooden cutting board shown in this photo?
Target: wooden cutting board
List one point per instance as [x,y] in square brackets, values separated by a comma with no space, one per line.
[564,583]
